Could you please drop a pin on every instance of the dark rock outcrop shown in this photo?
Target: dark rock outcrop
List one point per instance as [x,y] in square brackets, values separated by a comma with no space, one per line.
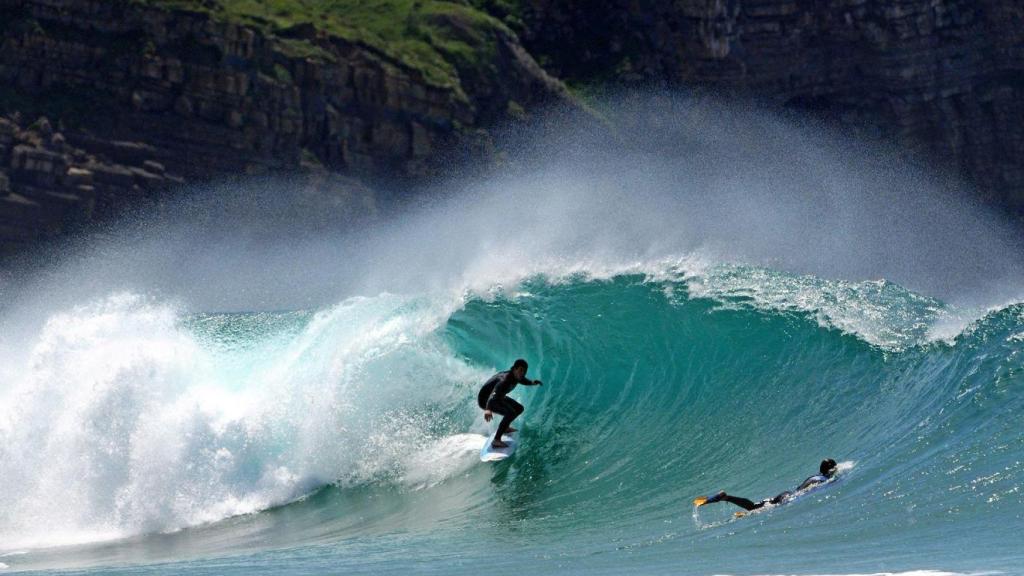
[135,86]
[48,185]
[944,78]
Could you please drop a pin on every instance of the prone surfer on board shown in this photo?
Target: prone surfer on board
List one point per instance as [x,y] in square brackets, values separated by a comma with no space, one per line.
[493,397]
[827,469]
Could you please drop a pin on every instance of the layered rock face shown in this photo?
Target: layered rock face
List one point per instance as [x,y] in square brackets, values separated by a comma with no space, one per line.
[942,77]
[48,185]
[134,86]
[119,100]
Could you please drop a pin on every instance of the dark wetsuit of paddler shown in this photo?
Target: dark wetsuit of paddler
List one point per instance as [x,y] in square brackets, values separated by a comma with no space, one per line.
[827,470]
[493,397]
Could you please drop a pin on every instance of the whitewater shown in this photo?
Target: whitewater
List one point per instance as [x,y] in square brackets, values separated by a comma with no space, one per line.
[225,388]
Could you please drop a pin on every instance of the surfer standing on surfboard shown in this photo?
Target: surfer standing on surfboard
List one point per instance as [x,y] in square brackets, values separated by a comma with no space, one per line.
[827,469]
[493,397]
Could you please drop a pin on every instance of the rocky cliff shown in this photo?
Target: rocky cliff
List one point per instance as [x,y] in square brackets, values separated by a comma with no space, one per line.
[107,102]
[130,97]
[48,185]
[942,77]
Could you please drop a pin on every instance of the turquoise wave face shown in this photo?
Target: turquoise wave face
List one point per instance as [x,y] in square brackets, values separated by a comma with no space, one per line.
[346,439]
[656,395]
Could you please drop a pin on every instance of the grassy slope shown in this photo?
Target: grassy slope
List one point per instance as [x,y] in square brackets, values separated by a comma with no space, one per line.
[435,37]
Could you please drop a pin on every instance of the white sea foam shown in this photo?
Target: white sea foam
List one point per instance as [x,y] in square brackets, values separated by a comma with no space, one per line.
[876,311]
[907,573]
[428,465]
[879,312]
[125,423]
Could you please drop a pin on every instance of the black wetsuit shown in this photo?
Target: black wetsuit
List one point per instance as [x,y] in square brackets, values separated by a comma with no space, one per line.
[750,505]
[493,396]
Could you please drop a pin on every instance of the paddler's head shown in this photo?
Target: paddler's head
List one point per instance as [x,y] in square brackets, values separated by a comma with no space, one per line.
[827,467]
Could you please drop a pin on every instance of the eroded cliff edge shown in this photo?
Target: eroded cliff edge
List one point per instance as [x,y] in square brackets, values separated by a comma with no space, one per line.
[108,102]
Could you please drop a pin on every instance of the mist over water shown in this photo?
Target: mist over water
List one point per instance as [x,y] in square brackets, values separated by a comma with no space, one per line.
[678,177]
[254,351]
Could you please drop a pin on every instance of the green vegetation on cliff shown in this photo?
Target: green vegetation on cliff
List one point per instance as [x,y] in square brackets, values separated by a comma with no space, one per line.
[437,38]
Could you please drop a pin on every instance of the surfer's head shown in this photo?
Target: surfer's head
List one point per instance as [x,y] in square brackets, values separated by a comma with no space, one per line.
[827,467]
[519,368]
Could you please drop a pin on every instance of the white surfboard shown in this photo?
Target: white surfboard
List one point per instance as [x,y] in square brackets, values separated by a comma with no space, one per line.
[489,454]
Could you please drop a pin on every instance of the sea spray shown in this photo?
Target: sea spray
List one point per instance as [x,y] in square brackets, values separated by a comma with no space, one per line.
[722,305]
[127,422]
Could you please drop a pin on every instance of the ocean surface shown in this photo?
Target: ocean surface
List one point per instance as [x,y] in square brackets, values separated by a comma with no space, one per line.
[346,439]
[241,388]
